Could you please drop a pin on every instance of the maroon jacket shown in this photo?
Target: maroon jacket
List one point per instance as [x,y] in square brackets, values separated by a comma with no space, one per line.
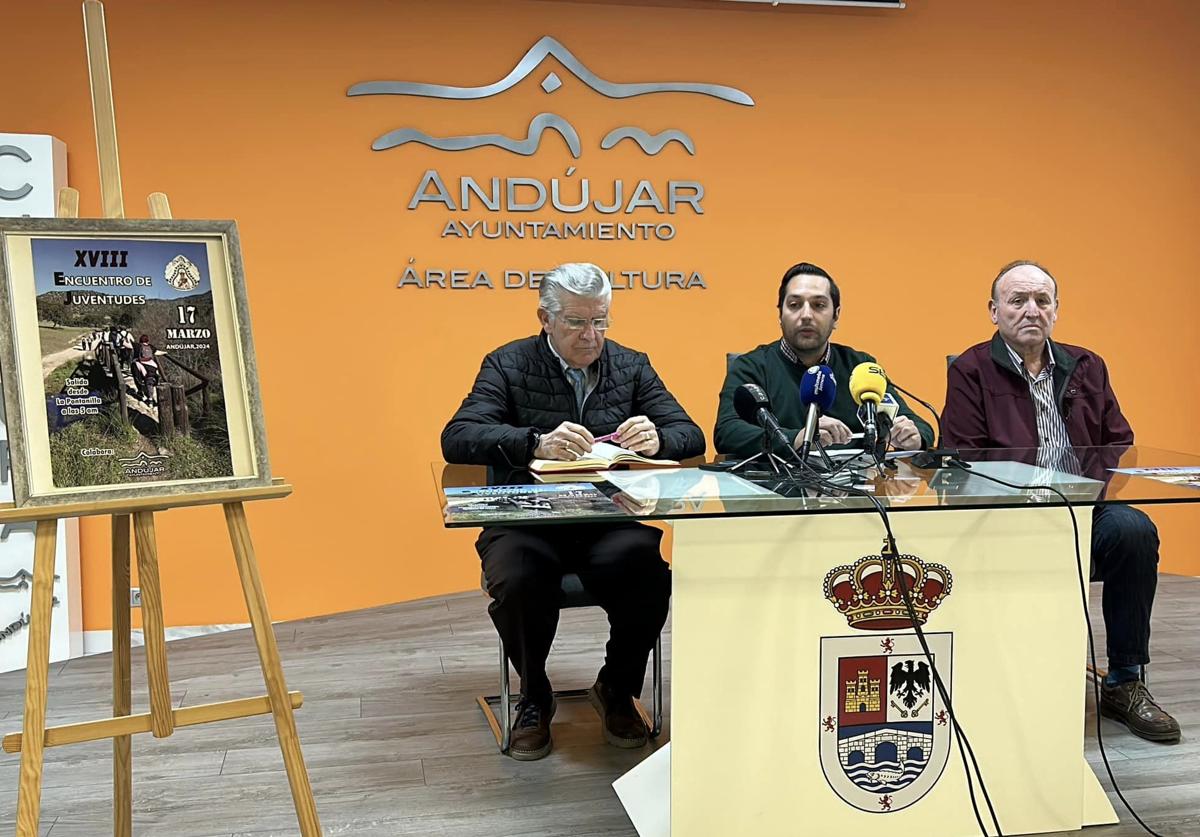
[988,404]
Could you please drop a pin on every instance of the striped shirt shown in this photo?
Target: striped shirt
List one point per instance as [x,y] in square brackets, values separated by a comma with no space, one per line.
[1054,445]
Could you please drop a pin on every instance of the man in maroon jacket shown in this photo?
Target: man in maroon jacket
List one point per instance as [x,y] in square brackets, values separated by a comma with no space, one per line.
[1022,390]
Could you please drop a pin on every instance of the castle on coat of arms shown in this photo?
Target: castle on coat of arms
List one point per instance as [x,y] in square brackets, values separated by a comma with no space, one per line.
[862,695]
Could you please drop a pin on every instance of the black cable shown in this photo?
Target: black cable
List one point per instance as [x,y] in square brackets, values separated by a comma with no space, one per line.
[965,748]
[846,461]
[936,418]
[964,744]
[1087,618]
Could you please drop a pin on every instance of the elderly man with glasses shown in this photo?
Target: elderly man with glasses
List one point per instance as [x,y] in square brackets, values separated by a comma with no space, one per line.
[549,397]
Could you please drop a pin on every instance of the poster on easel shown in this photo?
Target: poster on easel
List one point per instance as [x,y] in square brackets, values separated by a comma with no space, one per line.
[127,360]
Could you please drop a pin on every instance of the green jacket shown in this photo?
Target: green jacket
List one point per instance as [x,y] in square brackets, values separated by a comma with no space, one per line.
[768,367]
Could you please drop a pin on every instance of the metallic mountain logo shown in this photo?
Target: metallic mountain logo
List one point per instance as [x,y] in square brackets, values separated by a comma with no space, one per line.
[650,143]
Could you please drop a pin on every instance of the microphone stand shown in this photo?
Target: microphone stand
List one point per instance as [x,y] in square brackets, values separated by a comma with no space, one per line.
[779,466]
[878,451]
[827,463]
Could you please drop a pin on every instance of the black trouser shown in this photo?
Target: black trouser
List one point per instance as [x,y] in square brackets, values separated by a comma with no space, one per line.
[619,565]
[1125,558]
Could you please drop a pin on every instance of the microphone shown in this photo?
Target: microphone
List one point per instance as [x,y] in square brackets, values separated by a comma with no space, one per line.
[889,406]
[885,413]
[752,405]
[868,385]
[885,417]
[818,388]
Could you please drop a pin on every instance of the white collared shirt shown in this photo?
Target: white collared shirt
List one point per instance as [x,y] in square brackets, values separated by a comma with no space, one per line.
[1054,444]
[592,373]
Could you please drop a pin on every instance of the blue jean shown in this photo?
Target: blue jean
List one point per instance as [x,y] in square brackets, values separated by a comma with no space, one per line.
[1125,558]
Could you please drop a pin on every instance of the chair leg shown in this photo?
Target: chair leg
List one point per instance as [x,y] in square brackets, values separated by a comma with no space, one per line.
[498,716]
[505,697]
[657,689]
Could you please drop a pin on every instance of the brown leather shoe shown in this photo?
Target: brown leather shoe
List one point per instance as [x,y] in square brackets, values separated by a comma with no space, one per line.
[623,726]
[1132,704]
[530,737]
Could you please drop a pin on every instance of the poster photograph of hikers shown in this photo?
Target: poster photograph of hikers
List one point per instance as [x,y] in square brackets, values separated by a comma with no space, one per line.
[127,354]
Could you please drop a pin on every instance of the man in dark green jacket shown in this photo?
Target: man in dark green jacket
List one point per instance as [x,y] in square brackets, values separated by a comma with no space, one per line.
[809,307]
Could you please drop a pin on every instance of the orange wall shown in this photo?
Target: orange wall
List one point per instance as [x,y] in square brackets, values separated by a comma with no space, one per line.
[909,152]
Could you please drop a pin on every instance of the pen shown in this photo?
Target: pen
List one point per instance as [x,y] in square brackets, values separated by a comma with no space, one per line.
[607,438]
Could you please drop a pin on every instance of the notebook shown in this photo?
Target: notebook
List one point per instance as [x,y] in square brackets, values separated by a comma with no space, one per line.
[602,457]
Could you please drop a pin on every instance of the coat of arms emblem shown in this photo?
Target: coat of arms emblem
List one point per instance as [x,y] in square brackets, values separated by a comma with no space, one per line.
[885,735]
[884,729]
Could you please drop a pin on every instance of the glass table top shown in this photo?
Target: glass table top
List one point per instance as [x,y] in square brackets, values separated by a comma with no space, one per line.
[479,495]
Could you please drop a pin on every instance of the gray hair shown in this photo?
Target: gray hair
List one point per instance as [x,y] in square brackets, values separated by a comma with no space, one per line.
[577,278]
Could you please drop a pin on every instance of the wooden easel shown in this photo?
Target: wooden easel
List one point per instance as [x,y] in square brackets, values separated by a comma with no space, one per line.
[162,719]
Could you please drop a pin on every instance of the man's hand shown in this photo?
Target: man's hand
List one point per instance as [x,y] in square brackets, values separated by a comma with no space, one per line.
[904,435]
[639,435]
[831,431]
[567,442]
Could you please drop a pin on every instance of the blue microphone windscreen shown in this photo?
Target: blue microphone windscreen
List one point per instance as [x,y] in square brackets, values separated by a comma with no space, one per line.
[818,386]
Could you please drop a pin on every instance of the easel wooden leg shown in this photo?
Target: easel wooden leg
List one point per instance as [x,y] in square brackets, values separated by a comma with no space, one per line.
[122,688]
[103,114]
[268,655]
[153,626]
[29,793]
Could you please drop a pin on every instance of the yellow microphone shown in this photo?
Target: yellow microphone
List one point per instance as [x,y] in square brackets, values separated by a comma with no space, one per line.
[868,383]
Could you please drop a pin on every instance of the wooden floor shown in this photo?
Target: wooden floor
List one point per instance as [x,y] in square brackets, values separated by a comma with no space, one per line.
[396,746]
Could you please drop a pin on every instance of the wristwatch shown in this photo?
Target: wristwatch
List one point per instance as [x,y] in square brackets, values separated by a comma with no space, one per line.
[535,439]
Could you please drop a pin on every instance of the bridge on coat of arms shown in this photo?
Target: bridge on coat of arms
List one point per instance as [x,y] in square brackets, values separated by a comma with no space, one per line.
[884,745]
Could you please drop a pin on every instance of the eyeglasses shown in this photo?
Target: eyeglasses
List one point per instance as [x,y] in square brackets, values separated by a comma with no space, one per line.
[579,323]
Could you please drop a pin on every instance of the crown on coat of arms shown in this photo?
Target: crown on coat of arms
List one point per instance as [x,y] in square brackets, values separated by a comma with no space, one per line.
[868,592]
